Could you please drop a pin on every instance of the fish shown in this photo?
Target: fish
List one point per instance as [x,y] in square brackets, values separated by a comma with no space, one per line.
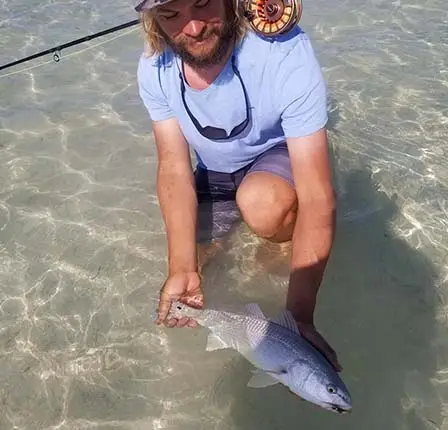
[276,349]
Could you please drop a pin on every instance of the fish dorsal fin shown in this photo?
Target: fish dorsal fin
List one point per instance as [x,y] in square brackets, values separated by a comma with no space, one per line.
[285,319]
[255,310]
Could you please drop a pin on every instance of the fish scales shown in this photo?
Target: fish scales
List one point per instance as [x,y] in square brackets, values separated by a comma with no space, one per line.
[238,331]
[262,341]
[279,345]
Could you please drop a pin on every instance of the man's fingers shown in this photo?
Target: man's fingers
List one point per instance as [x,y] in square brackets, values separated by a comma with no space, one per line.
[192,324]
[330,353]
[180,323]
[183,322]
[196,301]
[322,345]
[327,347]
[163,308]
[332,357]
[172,322]
[336,363]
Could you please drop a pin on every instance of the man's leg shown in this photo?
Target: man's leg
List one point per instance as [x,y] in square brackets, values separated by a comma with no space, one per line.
[217,211]
[266,196]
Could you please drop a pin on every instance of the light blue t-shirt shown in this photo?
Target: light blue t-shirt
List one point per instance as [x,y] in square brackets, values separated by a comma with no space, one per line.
[285,88]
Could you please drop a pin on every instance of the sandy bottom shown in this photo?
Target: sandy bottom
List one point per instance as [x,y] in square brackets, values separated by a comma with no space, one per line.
[82,246]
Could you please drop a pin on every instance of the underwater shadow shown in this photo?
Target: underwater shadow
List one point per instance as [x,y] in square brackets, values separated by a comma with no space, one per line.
[376,307]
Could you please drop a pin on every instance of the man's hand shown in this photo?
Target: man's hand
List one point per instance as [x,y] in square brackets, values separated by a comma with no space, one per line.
[183,287]
[310,333]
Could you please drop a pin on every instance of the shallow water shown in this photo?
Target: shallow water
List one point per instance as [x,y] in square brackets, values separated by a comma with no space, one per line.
[82,249]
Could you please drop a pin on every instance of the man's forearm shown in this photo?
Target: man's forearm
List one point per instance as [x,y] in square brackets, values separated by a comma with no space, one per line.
[311,245]
[178,204]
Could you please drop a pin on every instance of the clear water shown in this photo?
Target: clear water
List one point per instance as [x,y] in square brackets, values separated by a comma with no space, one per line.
[82,249]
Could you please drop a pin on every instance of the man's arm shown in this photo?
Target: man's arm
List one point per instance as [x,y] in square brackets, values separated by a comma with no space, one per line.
[315,226]
[177,196]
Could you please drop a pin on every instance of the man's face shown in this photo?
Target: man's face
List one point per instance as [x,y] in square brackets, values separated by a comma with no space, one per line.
[199,31]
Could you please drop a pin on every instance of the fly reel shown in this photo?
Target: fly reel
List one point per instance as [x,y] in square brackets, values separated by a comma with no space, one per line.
[272,17]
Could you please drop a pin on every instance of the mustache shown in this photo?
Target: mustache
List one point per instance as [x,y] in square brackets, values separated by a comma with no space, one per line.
[203,35]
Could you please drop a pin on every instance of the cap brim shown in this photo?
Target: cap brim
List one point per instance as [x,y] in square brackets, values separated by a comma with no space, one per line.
[149,4]
[139,6]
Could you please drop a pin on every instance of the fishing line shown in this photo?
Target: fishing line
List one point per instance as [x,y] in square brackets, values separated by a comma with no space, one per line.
[58,54]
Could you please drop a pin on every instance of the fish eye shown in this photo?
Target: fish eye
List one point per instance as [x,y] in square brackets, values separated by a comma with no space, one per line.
[179,307]
[331,389]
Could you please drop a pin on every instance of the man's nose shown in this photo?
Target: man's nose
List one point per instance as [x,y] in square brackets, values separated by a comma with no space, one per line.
[194,28]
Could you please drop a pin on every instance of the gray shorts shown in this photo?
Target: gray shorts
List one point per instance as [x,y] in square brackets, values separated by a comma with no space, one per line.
[216,191]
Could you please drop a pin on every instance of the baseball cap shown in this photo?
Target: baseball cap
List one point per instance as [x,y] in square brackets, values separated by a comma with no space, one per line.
[140,5]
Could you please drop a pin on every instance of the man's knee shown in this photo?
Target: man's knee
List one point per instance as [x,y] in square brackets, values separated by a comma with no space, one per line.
[266,203]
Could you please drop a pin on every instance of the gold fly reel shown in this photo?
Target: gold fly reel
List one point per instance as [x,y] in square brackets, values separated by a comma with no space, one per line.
[272,17]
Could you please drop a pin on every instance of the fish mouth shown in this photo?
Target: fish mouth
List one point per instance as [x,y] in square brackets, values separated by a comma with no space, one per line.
[338,409]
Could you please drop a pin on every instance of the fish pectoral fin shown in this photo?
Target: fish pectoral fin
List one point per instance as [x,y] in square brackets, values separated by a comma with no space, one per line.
[214,343]
[261,379]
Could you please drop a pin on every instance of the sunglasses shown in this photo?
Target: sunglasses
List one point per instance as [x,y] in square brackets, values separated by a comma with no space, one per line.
[214,133]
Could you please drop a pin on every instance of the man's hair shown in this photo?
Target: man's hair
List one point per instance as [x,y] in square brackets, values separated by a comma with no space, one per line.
[155,42]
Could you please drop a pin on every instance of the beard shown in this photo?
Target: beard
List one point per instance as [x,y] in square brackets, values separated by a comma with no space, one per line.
[212,54]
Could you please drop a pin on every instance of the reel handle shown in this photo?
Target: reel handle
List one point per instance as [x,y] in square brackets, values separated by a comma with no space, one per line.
[271,17]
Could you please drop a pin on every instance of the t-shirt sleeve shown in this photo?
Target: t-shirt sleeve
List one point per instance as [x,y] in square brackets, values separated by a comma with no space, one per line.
[301,90]
[151,91]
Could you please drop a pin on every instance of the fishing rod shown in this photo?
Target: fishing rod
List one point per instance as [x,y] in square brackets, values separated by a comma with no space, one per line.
[57,49]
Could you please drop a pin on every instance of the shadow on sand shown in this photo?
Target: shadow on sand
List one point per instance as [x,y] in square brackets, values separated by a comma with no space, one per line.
[376,308]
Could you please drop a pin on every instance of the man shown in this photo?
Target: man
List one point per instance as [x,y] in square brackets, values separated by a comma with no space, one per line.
[254,110]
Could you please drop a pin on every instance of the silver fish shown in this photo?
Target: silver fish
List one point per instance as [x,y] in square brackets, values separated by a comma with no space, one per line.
[276,349]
